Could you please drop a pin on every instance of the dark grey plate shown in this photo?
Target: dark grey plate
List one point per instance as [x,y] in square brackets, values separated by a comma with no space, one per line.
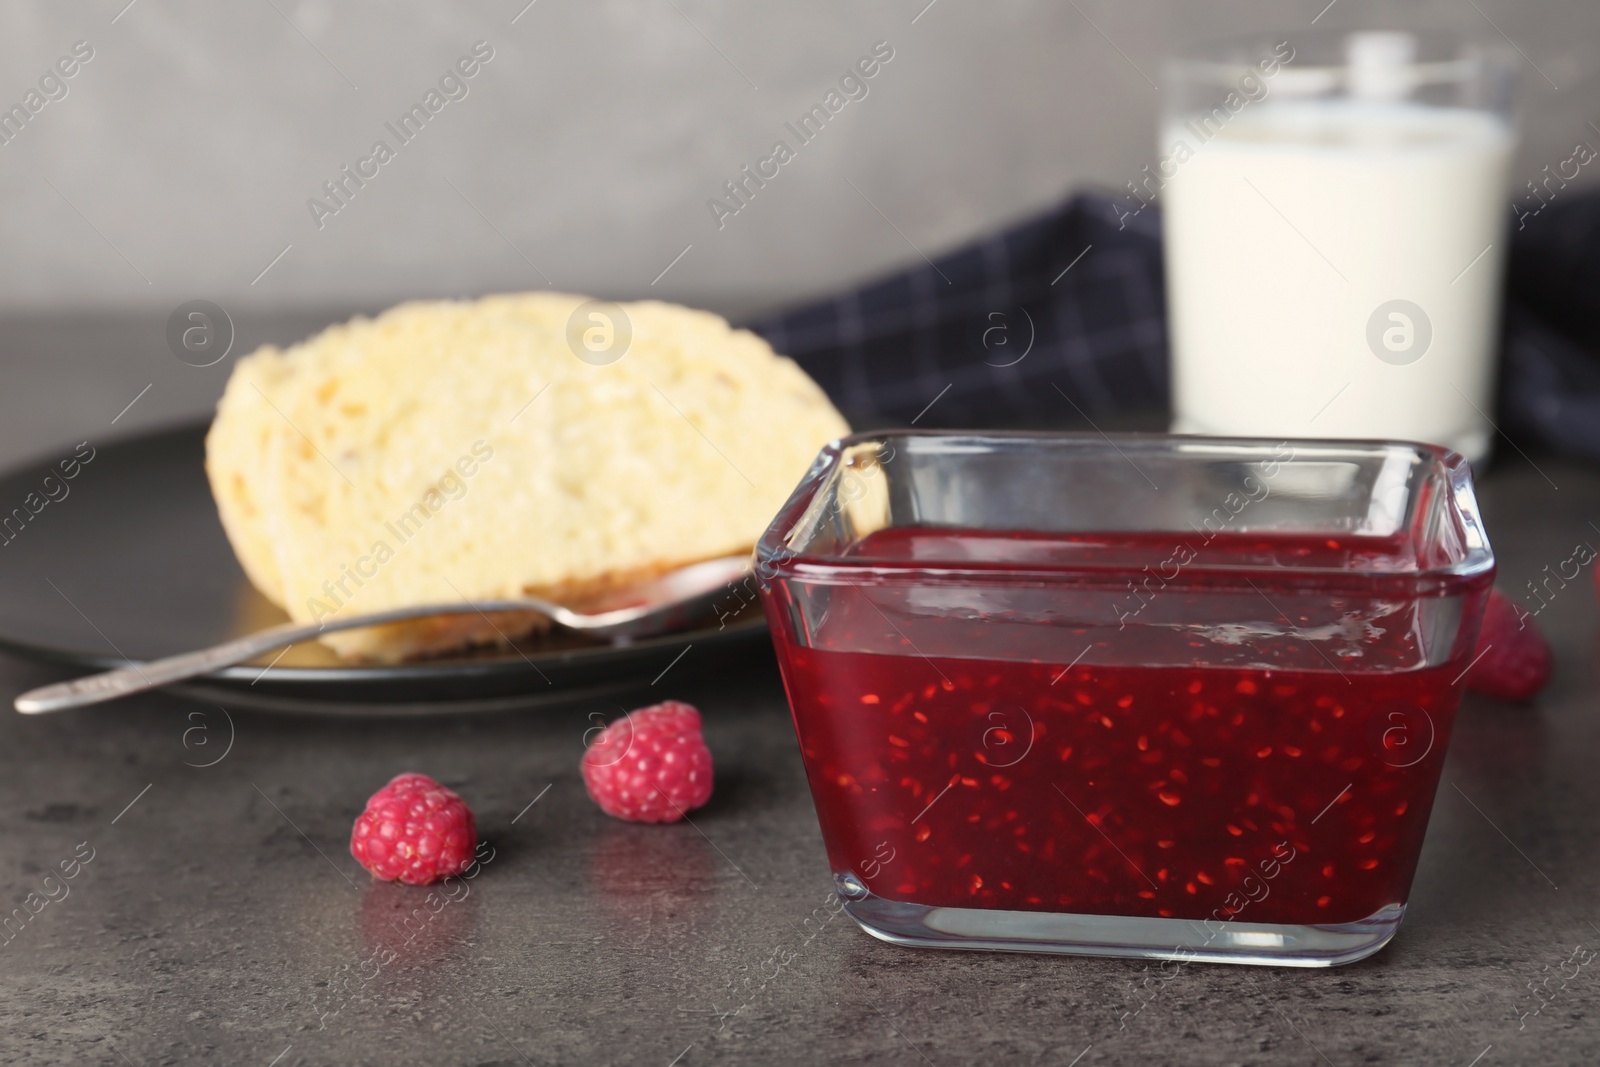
[132,563]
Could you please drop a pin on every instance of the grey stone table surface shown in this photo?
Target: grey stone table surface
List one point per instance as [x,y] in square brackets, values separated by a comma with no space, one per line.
[216,916]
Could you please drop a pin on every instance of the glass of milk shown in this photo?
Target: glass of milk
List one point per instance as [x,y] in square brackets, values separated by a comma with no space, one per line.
[1335,212]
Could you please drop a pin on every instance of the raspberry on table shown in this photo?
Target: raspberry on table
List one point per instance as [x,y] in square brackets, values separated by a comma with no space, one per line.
[414,830]
[1514,658]
[651,765]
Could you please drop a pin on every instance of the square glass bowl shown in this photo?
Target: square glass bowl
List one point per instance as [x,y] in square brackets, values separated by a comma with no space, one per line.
[1156,696]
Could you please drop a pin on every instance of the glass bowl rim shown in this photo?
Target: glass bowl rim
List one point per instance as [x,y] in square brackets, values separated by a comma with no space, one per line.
[773,557]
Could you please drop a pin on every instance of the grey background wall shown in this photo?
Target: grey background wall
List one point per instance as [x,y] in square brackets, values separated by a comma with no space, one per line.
[180,161]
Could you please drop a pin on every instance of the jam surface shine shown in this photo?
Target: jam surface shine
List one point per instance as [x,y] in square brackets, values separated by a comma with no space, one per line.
[1194,791]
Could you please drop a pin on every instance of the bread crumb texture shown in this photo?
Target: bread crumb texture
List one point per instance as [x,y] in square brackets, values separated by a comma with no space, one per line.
[450,449]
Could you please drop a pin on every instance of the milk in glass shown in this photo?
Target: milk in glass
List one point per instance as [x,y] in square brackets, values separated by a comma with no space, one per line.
[1334,258]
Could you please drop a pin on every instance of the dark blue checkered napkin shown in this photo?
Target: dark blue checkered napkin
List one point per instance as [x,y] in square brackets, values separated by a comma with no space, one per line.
[1064,315]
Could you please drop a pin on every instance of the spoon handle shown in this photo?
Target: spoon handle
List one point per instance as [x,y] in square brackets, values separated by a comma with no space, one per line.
[137,677]
[675,590]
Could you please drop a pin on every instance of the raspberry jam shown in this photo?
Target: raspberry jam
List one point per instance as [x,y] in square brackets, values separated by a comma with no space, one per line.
[1168,697]
[1189,755]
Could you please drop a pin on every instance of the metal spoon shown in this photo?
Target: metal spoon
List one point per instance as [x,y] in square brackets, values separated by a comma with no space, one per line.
[652,607]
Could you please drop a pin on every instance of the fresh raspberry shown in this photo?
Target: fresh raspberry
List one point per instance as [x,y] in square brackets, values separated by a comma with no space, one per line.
[1514,658]
[652,765]
[416,830]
